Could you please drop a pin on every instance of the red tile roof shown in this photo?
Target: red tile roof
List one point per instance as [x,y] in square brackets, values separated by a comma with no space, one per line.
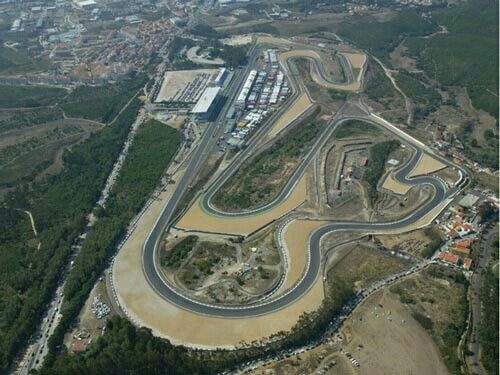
[467,263]
[448,257]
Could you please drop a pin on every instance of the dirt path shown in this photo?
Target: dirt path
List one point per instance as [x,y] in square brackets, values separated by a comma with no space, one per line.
[408,102]
[32,221]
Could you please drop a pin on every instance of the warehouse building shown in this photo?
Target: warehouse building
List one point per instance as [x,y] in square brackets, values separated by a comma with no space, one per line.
[208,106]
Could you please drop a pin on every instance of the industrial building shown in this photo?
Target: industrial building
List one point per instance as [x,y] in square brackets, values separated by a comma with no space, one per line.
[208,106]
[240,102]
[222,77]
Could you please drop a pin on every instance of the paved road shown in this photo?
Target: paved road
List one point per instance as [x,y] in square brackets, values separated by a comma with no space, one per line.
[168,292]
[486,247]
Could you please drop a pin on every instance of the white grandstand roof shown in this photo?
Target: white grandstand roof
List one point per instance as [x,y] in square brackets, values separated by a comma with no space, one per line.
[206,100]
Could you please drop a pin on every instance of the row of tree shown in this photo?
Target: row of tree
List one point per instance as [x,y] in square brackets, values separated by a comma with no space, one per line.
[149,155]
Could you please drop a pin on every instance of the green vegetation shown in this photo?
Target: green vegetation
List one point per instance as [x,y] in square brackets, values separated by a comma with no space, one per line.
[206,256]
[380,38]
[376,165]
[436,241]
[29,96]
[149,155]
[101,103]
[234,56]
[259,180]
[363,265]
[14,61]
[59,205]
[467,55]
[179,252]
[489,322]
[125,350]
[337,95]
[424,321]
[426,99]
[378,87]
[204,30]
[26,118]
[355,128]
[487,155]
[11,152]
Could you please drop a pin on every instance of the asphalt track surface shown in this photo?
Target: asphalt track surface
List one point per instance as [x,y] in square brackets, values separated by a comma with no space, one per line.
[169,293]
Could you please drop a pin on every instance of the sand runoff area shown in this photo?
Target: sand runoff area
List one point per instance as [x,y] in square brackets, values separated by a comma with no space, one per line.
[146,308]
[198,220]
[296,240]
[390,183]
[297,108]
[317,78]
[427,165]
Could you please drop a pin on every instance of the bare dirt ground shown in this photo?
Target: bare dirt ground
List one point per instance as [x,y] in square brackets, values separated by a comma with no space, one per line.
[309,362]
[392,342]
[412,242]
[448,174]
[427,165]
[196,219]
[302,104]
[86,320]
[400,60]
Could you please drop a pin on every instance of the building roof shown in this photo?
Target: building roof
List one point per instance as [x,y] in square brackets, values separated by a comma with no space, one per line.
[467,263]
[462,250]
[448,257]
[468,201]
[207,98]
[465,243]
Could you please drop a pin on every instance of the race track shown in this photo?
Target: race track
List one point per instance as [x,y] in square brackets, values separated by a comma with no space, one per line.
[176,297]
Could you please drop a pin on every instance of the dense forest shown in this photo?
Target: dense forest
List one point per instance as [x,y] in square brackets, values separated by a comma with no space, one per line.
[489,322]
[59,206]
[376,165]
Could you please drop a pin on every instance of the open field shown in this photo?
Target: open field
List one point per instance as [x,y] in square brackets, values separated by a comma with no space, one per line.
[362,263]
[16,120]
[196,219]
[184,85]
[427,165]
[385,339]
[28,151]
[356,129]
[414,243]
[436,298]
[29,96]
